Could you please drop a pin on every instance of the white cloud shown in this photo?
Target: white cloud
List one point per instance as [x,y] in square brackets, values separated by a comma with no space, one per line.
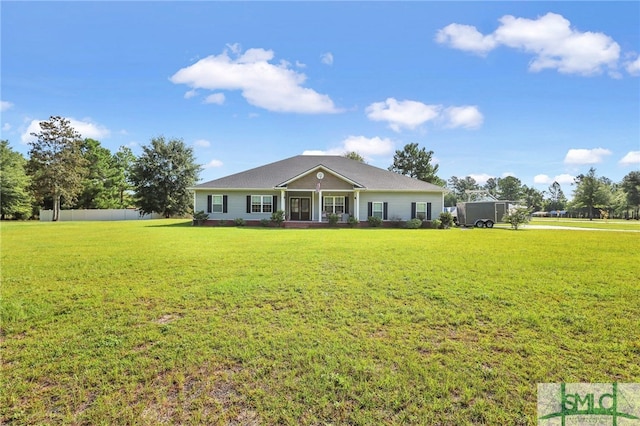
[481,178]
[562,179]
[464,116]
[327,58]
[631,159]
[5,105]
[465,37]
[190,94]
[542,179]
[202,143]
[215,98]
[402,114]
[367,147]
[213,163]
[6,127]
[633,66]
[586,156]
[332,151]
[551,40]
[274,87]
[85,127]
[411,114]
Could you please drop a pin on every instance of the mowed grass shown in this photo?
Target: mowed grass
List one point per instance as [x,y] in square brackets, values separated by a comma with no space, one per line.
[158,322]
[610,224]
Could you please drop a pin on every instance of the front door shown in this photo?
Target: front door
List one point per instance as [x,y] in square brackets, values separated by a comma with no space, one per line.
[300,208]
[305,209]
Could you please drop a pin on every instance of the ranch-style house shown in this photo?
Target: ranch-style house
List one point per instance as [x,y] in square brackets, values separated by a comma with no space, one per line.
[309,188]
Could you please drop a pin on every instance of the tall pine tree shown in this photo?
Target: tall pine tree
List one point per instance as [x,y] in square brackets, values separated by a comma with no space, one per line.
[56,164]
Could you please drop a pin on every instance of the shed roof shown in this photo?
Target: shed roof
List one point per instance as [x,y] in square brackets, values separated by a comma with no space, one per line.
[280,172]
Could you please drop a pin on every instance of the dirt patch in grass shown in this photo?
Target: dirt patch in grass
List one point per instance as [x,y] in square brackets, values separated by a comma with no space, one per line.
[168,318]
[207,395]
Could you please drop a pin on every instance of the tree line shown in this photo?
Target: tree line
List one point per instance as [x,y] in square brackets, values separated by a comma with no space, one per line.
[592,194]
[65,170]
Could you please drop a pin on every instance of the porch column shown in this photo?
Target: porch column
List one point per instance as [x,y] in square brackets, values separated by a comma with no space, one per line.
[356,201]
[282,204]
[319,206]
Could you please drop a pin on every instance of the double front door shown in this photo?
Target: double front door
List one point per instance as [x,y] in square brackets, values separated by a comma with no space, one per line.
[300,208]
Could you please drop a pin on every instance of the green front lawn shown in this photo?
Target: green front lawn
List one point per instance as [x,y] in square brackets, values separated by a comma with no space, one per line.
[159,322]
[617,224]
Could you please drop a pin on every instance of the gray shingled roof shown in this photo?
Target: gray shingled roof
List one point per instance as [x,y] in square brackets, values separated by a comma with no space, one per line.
[274,174]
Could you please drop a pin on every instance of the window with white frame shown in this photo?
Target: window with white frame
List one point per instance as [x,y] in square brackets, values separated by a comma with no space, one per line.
[334,205]
[216,204]
[261,204]
[421,211]
[377,209]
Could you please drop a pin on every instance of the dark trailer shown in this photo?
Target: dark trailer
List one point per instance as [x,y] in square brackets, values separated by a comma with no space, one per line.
[481,214]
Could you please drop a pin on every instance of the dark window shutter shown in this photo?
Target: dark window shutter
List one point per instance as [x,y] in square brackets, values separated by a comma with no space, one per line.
[275,203]
[369,209]
[346,205]
[209,201]
[413,210]
[428,211]
[248,203]
[224,204]
[385,210]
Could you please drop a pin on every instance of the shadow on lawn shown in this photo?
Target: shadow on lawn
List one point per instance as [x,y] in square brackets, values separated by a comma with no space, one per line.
[185,224]
[162,223]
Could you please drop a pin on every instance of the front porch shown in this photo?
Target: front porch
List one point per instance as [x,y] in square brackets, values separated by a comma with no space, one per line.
[317,206]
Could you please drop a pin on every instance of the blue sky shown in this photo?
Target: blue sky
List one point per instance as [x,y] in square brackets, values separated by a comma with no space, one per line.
[538,90]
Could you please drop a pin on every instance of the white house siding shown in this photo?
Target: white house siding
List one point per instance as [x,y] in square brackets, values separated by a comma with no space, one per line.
[399,204]
[236,204]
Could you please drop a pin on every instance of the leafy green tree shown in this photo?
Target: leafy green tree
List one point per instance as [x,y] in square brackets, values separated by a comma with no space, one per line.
[491,185]
[56,164]
[532,198]
[162,176]
[618,202]
[450,199]
[352,155]
[509,188]
[97,191]
[556,199]
[517,216]
[631,187]
[591,192]
[15,198]
[460,186]
[416,163]
[123,162]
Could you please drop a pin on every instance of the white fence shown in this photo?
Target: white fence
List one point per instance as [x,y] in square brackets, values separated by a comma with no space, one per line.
[97,214]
